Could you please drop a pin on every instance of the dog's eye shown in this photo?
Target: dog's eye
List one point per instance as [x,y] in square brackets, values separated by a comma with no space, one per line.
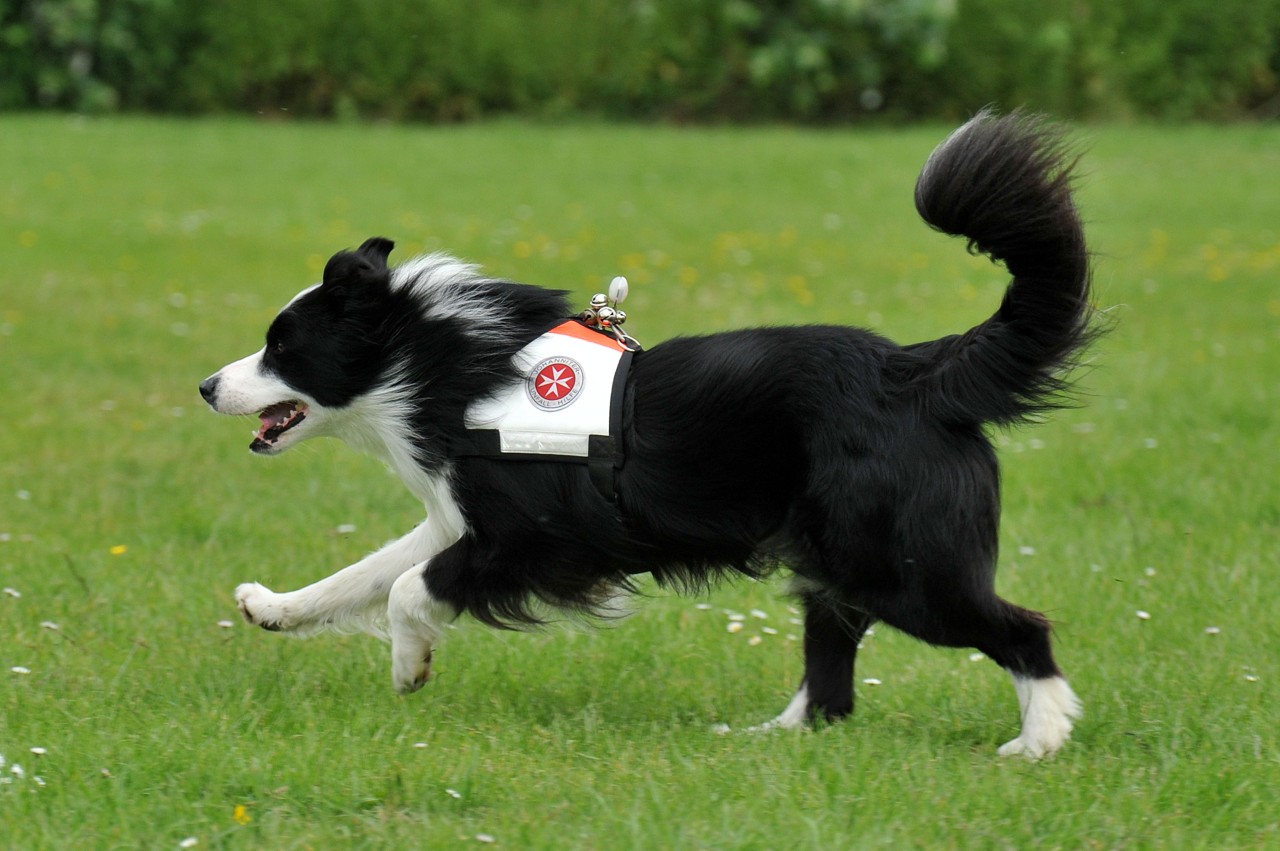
[278,348]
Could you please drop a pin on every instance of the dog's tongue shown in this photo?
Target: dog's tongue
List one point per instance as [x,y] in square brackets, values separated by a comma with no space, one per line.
[274,416]
[276,420]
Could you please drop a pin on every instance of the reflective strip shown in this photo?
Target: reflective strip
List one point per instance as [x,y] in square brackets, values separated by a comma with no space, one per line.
[543,443]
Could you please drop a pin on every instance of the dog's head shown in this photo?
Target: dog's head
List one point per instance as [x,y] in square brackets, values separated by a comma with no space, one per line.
[321,353]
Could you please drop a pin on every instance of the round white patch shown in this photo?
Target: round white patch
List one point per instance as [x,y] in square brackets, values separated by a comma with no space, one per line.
[554,383]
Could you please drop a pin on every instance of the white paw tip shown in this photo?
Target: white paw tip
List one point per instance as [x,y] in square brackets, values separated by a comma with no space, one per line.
[1020,747]
[255,603]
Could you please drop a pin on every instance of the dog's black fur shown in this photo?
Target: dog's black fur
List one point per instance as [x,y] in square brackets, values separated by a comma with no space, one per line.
[861,465]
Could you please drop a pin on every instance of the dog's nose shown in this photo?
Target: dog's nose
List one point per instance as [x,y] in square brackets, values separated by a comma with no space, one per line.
[209,388]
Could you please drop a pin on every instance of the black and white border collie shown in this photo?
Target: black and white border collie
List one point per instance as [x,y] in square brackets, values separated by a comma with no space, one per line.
[859,465]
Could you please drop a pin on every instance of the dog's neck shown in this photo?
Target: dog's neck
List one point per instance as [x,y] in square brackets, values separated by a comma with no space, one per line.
[378,424]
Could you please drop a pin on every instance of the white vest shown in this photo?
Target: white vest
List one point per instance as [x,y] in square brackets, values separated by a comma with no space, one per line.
[568,407]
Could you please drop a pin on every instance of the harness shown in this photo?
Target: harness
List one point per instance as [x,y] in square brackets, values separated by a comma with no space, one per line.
[568,405]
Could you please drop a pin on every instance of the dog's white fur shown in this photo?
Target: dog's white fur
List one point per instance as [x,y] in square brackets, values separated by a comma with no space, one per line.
[791,718]
[1048,707]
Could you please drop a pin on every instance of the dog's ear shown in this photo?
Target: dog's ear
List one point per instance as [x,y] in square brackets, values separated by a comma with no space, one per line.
[377,249]
[353,270]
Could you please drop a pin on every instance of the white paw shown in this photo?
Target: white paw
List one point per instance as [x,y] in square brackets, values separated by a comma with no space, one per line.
[794,717]
[1048,711]
[263,607]
[1023,746]
[410,668]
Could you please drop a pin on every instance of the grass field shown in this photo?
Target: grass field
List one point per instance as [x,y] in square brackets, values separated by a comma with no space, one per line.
[141,255]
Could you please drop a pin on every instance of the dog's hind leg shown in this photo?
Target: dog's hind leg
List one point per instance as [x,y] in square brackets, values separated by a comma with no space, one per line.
[356,595]
[1019,640]
[1048,704]
[1015,638]
[1049,707]
[832,631]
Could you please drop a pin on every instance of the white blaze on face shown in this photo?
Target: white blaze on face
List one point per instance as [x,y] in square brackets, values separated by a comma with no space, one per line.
[243,388]
[247,387]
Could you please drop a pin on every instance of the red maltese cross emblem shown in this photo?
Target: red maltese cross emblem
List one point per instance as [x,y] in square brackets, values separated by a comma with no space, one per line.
[555,383]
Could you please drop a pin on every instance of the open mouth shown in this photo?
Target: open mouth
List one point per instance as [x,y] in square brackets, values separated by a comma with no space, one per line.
[276,420]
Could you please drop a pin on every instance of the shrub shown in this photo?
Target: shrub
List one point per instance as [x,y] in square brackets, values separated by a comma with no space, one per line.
[806,60]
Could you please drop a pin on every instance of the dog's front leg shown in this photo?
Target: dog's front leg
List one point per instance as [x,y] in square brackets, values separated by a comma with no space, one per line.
[354,595]
[418,619]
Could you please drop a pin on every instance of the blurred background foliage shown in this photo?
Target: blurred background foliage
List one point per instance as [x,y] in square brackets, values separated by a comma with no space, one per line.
[680,60]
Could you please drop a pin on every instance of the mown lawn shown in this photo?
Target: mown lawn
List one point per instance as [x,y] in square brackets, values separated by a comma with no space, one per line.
[141,255]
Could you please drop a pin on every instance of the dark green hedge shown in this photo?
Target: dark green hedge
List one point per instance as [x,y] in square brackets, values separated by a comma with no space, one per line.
[806,60]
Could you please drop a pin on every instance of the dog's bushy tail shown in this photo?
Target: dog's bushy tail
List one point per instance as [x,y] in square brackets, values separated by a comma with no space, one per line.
[1004,183]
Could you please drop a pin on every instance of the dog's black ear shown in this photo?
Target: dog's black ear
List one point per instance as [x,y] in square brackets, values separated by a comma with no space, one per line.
[377,249]
[352,270]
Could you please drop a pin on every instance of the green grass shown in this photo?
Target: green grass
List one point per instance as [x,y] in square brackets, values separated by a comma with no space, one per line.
[140,255]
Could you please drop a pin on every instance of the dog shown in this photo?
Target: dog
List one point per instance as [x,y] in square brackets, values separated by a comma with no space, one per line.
[860,466]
